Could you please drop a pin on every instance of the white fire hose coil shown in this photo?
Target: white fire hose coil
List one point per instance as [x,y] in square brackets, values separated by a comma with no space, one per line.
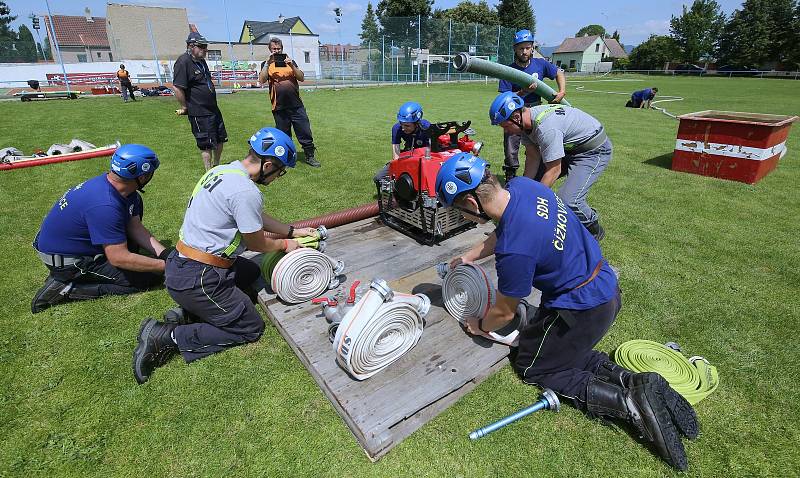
[304,274]
[468,291]
[378,330]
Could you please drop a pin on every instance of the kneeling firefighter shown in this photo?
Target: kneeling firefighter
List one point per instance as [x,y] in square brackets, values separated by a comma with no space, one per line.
[214,287]
[540,243]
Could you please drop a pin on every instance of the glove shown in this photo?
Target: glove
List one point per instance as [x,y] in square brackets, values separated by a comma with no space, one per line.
[165,253]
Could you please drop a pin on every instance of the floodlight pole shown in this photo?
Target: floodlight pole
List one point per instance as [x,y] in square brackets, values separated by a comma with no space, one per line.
[155,54]
[419,43]
[449,39]
[55,44]
[230,46]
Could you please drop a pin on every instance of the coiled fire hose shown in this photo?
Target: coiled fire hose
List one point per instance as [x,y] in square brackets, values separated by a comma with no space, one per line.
[694,378]
[300,275]
[379,329]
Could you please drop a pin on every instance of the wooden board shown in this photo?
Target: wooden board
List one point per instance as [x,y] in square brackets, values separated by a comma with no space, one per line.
[446,363]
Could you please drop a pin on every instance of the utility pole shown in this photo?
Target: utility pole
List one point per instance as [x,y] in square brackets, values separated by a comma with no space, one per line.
[36,26]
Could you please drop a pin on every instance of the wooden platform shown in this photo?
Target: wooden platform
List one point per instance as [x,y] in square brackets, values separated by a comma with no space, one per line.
[446,363]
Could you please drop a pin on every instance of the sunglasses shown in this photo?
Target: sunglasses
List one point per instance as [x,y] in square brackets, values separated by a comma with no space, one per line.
[201,46]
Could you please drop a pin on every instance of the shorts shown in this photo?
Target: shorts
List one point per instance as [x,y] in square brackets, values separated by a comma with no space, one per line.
[208,130]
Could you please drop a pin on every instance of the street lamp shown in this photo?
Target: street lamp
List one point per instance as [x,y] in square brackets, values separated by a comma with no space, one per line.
[337,12]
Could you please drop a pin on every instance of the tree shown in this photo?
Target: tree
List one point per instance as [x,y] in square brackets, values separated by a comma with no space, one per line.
[369,27]
[47,51]
[468,12]
[399,18]
[697,30]
[782,29]
[654,53]
[516,14]
[745,38]
[794,56]
[26,46]
[615,36]
[592,30]
[7,36]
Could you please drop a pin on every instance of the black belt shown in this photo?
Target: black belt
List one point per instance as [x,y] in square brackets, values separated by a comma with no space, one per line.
[57,260]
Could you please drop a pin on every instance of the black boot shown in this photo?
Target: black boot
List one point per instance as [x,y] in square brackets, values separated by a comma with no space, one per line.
[179,316]
[510,172]
[310,158]
[154,349]
[596,230]
[683,415]
[643,406]
[51,293]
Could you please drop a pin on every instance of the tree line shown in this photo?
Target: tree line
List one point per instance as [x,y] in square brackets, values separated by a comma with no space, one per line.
[762,34]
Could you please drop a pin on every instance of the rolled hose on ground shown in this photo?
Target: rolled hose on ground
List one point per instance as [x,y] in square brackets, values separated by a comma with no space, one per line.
[300,275]
[61,158]
[694,378]
[378,330]
[337,218]
[465,63]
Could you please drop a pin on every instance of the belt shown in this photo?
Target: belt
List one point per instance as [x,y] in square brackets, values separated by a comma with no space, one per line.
[589,144]
[57,260]
[591,277]
[202,256]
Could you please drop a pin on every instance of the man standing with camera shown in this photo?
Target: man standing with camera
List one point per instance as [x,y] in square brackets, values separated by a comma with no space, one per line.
[282,75]
[194,89]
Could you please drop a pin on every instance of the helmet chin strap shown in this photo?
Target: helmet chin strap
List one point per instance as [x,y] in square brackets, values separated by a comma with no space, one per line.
[481,213]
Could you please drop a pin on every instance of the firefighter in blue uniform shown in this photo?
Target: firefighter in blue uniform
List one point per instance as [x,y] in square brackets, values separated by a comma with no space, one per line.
[90,239]
[410,132]
[540,243]
[524,61]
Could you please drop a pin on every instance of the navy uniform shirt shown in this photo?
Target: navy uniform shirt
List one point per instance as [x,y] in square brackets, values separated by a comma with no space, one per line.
[194,78]
[86,217]
[646,94]
[542,244]
[418,139]
[541,67]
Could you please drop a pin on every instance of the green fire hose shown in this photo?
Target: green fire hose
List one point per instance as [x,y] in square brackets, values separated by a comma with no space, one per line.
[468,64]
[694,378]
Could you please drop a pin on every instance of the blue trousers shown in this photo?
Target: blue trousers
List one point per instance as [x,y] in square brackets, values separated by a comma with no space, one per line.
[221,298]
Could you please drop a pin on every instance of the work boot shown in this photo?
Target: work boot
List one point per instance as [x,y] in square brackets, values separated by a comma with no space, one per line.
[510,172]
[596,230]
[310,159]
[642,405]
[154,349]
[683,415]
[51,293]
[178,316]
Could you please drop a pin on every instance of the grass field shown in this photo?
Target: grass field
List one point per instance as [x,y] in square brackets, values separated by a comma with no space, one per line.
[713,265]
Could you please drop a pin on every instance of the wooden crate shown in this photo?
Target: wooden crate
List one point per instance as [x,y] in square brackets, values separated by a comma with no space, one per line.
[446,363]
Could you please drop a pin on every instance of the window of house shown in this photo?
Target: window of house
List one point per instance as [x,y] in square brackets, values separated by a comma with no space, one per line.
[81,58]
[110,57]
[307,56]
[597,48]
[98,54]
[558,63]
[572,63]
[214,55]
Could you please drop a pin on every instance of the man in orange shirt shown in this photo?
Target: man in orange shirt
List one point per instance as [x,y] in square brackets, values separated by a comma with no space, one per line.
[282,75]
[125,85]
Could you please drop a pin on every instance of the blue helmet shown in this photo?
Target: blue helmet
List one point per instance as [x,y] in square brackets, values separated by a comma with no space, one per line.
[503,105]
[274,143]
[462,172]
[131,161]
[522,36]
[410,112]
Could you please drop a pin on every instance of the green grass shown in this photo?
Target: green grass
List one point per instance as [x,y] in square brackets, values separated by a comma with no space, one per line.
[711,264]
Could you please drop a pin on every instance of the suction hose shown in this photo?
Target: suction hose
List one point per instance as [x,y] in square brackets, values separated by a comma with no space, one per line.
[694,378]
[378,330]
[62,158]
[337,218]
[464,63]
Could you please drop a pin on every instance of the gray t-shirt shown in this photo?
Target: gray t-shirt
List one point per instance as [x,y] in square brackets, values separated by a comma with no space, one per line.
[558,126]
[224,204]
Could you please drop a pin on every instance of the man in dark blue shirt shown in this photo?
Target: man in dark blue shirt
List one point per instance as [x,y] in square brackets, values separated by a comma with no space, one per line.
[540,243]
[87,238]
[524,61]
[642,98]
[410,132]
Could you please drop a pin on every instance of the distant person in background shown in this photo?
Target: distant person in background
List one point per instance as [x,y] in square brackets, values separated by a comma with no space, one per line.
[282,75]
[524,61]
[642,98]
[125,85]
[194,89]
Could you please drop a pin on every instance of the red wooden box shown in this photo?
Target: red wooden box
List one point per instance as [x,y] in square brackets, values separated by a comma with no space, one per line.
[741,147]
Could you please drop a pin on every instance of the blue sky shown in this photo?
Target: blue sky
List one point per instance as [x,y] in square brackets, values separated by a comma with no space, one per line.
[555,19]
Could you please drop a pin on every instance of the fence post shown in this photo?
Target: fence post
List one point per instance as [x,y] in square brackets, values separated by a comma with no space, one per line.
[419,43]
[383,57]
[369,60]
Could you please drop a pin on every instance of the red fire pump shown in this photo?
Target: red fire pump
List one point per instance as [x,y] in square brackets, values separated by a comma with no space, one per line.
[407,195]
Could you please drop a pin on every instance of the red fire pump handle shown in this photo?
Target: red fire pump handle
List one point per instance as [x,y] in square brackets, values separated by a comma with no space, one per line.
[351,299]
